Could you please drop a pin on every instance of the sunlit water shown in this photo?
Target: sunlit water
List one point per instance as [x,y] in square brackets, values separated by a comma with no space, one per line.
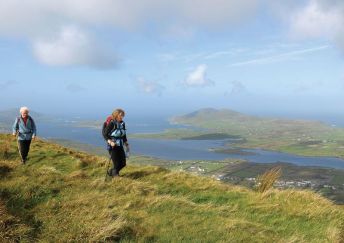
[179,149]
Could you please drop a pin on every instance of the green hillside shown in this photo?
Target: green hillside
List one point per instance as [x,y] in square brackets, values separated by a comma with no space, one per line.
[293,136]
[61,195]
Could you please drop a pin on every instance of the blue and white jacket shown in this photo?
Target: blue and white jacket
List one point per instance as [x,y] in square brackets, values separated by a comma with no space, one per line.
[116,132]
[25,132]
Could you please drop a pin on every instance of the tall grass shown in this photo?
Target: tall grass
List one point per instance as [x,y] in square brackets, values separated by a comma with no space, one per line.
[60,196]
[5,146]
[11,228]
[267,180]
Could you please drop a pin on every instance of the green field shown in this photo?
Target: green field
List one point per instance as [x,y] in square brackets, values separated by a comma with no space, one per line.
[60,196]
[310,138]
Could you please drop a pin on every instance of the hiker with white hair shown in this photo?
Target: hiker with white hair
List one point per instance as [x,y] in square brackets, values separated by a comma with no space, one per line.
[25,128]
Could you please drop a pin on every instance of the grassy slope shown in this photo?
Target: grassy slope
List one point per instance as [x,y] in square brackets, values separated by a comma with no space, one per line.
[60,195]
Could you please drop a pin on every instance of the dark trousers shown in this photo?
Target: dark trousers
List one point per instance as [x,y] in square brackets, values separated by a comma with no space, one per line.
[24,148]
[118,159]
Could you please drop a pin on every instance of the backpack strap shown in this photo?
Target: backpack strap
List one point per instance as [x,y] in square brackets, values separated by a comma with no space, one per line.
[17,124]
[108,120]
[115,126]
[29,118]
[105,125]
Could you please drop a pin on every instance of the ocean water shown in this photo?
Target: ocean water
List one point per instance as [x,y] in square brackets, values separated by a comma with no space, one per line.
[178,149]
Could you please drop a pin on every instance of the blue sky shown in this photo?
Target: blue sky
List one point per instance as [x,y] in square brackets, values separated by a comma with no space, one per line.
[171,57]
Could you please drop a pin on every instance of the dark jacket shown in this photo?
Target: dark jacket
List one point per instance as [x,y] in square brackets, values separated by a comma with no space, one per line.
[116,131]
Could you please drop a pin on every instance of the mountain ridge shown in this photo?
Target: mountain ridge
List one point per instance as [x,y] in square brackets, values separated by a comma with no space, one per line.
[229,114]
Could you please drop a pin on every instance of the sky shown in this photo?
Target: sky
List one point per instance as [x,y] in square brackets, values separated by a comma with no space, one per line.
[153,57]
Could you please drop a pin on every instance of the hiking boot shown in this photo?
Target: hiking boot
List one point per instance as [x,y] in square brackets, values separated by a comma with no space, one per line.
[114,173]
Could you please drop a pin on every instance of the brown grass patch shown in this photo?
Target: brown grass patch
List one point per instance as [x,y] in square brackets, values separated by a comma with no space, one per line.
[5,147]
[267,180]
[11,228]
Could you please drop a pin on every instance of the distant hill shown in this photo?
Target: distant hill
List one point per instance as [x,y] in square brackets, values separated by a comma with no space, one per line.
[207,112]
[60,195]
[294,136]
[10,114]
[225,119]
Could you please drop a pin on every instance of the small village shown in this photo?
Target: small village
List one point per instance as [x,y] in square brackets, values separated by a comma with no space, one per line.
[283,184]
[318,185]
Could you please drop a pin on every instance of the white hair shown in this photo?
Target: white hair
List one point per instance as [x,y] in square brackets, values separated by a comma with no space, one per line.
[24,108]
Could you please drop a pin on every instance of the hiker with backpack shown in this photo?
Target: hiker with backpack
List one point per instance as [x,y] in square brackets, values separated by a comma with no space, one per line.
[25,127]
[114,133]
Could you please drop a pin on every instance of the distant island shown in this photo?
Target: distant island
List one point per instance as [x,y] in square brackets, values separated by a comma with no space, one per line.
[299,137]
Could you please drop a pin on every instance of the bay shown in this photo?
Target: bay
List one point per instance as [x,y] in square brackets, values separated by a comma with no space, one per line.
[172,149]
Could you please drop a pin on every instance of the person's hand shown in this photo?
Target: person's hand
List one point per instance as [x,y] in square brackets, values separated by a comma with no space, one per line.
[33,137]
[112,143]
[127,147]
[13,134]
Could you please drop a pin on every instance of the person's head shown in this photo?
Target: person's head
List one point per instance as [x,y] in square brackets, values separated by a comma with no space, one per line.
[118,115]
[24,111]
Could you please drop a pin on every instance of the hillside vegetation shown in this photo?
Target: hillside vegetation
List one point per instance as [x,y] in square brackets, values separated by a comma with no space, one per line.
[294,136]
[60,195]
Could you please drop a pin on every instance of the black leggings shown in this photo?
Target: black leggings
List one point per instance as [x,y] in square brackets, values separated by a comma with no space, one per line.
[118,158]
[24,148]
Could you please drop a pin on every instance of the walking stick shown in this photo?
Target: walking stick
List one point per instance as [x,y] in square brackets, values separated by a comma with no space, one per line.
[107,169]
[18,146]
[108,166]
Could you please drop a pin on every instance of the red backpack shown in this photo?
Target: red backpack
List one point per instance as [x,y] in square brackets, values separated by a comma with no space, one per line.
[105,124]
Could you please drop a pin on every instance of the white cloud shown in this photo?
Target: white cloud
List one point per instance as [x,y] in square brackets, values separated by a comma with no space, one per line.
[218,54]
[149,87]
[199,56]
[215,13]
[316,19]
[40,22]
[73,47]
[18,17]
[280,57]
[197,78]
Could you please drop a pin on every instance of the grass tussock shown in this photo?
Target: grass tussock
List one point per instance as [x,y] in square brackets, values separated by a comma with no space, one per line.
[77,175]
[11,228]
[54,198]
[5,148]
[6,167]
[267,180]
[113,230]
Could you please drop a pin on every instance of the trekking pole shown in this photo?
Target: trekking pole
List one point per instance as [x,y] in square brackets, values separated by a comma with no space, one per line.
[18,146]
[107,167]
